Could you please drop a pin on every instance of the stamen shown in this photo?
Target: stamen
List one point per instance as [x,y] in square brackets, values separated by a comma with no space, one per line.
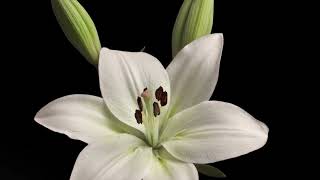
[164,98]
[156,109]
[138,116]
[139,101]
[159,93]
[145,93]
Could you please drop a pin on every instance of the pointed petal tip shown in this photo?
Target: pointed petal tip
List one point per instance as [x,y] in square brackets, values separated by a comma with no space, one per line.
[212,37]
[37,118]
[103,50]
[39,115]
[265,130]
[218,37]
[264,127]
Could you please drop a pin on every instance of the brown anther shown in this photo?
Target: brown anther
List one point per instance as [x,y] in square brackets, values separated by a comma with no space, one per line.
[159,93]
[145,93]
[138,116]
[156,109]
[164,98]
[139,101]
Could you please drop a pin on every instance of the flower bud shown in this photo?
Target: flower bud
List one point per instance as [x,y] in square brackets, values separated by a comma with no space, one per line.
[194,20]
[78,28]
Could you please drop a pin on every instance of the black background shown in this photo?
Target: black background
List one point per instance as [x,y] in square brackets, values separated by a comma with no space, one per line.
[41,66]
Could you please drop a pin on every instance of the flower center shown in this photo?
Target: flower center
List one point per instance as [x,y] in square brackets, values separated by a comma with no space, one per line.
[150,105]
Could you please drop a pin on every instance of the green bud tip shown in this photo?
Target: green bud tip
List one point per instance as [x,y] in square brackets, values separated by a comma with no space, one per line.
[78,27]
[194,20]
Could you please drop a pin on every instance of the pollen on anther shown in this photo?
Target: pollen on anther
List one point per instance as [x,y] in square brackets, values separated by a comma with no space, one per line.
[139,101]
[164,98]
[156,109]
[159,93]
[138,116]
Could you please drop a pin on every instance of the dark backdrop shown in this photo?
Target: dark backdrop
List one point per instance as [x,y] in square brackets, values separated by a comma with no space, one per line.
[42,65]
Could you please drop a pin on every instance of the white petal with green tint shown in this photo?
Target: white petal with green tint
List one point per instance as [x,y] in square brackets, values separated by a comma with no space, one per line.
[123,77]
[163,169]
[81,117]
[120,157]
[194,72]
[213,131]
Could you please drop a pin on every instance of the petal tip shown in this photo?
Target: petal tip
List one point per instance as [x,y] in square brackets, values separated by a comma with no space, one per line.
[38,115]
[264,127]
[37,119]
[104,49]
[219,37]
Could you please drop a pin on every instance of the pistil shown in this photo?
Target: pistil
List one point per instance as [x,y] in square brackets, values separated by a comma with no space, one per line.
[149,112]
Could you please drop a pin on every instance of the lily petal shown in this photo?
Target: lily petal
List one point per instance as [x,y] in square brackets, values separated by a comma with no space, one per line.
[213,131]
[81,117]
[194,72]
[164,169]
[119,157]
[124,76]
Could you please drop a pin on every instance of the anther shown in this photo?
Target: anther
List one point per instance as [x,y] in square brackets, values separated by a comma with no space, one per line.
[145,93]
[156,109]
[164,98]
[138,116]
[159,93]
[139,101]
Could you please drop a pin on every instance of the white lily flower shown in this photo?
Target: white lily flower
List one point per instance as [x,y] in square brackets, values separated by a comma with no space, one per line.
[154,123]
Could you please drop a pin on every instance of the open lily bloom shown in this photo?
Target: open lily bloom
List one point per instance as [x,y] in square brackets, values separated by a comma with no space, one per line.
[154,123]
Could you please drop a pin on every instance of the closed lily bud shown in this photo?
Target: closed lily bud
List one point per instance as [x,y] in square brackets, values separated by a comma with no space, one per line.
[78,28]
[194,20]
